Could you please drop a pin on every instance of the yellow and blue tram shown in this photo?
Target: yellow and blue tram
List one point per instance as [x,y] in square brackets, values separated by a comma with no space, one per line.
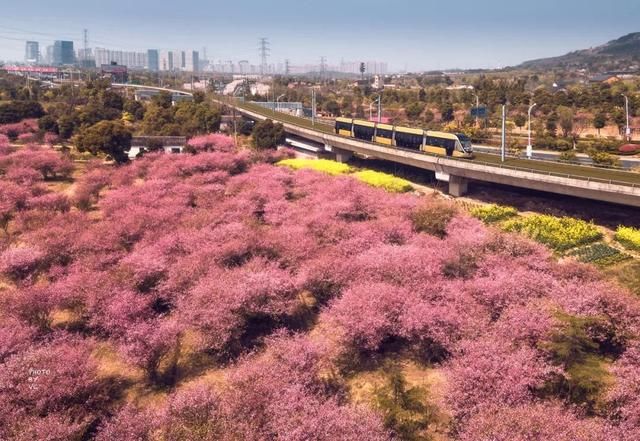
[439,143]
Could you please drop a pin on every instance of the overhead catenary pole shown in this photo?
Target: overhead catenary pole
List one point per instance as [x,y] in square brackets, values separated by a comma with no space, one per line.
[477,107]
[379,108]
[529,147]
[504,133]
[313,106]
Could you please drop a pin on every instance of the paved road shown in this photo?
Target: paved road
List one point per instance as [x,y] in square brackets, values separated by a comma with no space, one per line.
[625,162]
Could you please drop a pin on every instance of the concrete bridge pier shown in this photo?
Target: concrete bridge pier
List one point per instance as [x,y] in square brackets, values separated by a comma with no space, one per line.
[342,155]
[458,186]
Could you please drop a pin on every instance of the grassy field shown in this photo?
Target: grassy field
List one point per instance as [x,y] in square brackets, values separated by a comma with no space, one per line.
[546,167]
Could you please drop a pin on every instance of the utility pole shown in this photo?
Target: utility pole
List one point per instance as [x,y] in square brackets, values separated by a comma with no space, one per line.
[313,107]
[504,133]
[626,106]
[323,68]
[529,146]
[264,50]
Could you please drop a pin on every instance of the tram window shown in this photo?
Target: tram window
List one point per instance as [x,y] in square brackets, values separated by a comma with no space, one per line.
[449,144]
[408,141]
[361,132]
[383,133]
[343,126]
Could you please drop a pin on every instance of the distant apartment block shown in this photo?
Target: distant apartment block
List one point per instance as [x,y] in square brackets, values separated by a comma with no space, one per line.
[188,61]
[63,53]
[32,52]
[133,60]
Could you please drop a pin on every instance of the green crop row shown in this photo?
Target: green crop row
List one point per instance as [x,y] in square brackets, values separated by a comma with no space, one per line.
[599,254]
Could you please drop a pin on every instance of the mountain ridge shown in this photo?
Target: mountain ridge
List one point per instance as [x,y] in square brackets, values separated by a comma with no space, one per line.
[620,53]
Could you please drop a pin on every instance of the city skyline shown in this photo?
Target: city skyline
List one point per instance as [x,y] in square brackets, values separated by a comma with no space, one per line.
[431,35]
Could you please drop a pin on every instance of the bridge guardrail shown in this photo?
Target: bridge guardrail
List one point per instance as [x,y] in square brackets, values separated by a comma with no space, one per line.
[329,130]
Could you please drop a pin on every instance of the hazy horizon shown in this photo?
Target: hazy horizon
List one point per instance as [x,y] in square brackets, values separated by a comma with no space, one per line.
[406,34]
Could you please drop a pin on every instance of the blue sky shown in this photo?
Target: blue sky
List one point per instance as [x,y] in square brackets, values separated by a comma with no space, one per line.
[406,33]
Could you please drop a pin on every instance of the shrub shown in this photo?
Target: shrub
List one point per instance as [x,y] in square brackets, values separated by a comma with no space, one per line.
[493,213]
[629,237]
[433,217]
[267,134]
[212,142]
[602,158]
[384,180]
[560,233]
[568,156]
[629,149]
[322,165]
[19,263]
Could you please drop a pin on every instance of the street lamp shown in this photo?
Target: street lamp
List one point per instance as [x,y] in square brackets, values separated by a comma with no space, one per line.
[278,101]
[377,100]
[529,147]
[626,106]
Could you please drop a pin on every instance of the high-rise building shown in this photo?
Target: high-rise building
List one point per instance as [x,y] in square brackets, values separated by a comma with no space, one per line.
[32,52]
[191,61]
[167,61]
[153,60]
[48,58]
[63,53]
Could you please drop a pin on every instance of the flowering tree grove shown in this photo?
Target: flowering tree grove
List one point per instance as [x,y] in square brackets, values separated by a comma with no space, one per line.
[242,297]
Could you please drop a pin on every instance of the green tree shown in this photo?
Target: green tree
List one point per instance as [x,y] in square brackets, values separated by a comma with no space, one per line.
[599,121]
[163,99]
[267,135]
[551,124]
[48,124]
[198,97]
[67,125]
[414,110]
[565,119]
[447,112]
[135,108]
[429,116]
[520,120]
[332,107]
[404,408]
[111,138]
[111,99]
[574,347]
[156,118]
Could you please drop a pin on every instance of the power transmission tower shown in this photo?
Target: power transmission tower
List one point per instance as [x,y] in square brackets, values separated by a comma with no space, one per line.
[287,67]
[264,50]
[85,56]
[323,67]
